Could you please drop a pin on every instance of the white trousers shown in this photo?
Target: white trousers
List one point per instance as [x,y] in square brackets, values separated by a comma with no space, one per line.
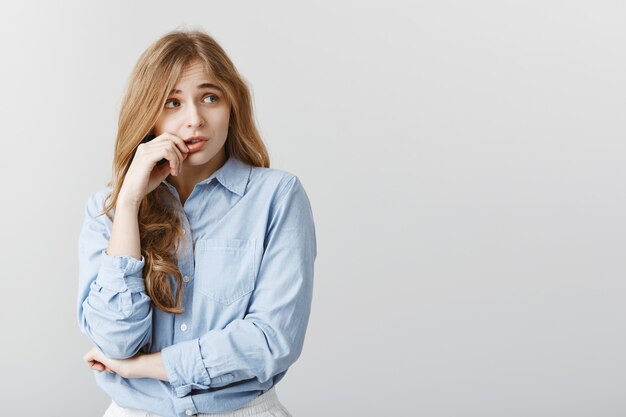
[265,405]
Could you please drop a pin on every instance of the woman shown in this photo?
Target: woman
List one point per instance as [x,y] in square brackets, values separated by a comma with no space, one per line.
[196,264]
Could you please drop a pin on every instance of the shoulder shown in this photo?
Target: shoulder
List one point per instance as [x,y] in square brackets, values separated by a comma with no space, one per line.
[96,224]
[281,189]
[94,205]
[271,175]
[276,181]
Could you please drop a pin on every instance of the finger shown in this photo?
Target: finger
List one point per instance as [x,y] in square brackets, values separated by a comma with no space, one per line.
[159,147]
[180,143]
[179,157]
[97,366]
[165,151]
[174,155]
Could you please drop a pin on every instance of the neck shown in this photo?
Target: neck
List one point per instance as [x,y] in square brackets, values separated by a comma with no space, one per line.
[190,175]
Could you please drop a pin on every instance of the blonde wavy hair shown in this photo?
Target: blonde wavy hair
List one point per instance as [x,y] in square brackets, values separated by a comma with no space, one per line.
[155,74]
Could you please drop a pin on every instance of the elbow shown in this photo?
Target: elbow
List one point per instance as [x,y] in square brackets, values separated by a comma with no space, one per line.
[118,336]
[118,341]
[118,352]
[121,347]
[282,350]
[289,357]
[276,364]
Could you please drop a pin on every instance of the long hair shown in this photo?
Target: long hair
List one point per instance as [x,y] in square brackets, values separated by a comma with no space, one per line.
[154,75]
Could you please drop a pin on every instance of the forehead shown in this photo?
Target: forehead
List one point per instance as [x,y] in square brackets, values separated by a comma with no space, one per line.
[194,73]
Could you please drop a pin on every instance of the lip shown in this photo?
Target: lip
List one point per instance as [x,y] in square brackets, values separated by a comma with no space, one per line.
[196,146]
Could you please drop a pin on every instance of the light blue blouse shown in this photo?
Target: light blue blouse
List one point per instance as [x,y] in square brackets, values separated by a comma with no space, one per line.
[247,258]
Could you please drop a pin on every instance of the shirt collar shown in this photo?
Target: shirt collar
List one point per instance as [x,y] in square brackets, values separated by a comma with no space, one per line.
[233,175]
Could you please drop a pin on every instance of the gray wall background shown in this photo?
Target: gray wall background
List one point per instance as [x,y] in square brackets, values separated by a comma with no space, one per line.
[465,164]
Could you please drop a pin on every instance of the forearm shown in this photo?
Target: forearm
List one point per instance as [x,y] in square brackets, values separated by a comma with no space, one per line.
[139,366]
[124,240]
[244,349]
[151,366]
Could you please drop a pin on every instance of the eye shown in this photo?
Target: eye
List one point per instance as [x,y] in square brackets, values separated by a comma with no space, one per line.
[172,100]
[212,96]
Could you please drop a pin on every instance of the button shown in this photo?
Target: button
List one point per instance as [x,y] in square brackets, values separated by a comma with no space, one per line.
[185,278]
[183,327]
[189,412]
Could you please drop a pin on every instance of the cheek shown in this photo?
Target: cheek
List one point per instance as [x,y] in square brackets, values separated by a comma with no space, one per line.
[224,120]
[165,124]
[165,127]
[217,124]
[158,128]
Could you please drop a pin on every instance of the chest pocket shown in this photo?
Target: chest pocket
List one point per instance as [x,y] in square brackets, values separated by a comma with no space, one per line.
[224,268]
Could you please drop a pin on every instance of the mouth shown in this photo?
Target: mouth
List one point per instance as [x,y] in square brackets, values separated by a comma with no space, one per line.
[195,139]
[195,143]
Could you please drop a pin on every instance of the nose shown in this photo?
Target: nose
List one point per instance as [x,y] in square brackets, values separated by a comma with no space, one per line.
[194,117]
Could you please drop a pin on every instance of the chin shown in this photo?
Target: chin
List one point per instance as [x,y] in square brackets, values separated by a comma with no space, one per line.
[197,160]
[200,158]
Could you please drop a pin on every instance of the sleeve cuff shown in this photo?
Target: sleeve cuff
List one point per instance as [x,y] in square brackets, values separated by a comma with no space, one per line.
[118,273]
[185,367]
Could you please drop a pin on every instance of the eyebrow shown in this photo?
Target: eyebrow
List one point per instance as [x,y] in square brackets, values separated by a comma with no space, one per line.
[200,87]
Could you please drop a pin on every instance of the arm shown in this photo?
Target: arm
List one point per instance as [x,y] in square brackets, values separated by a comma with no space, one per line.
[271,335]
[113,308]
[148,365]
[125,239]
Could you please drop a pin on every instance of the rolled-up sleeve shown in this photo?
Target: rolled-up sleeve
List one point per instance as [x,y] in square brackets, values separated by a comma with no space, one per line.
[270,337]
[114,310]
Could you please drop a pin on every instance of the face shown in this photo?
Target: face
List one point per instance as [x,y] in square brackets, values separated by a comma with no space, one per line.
[197,107]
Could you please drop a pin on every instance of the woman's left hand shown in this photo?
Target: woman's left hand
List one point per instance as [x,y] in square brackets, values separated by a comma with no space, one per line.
[142,365]
[98,362]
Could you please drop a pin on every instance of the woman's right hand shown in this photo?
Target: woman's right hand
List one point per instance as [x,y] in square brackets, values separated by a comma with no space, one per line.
[144,175]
